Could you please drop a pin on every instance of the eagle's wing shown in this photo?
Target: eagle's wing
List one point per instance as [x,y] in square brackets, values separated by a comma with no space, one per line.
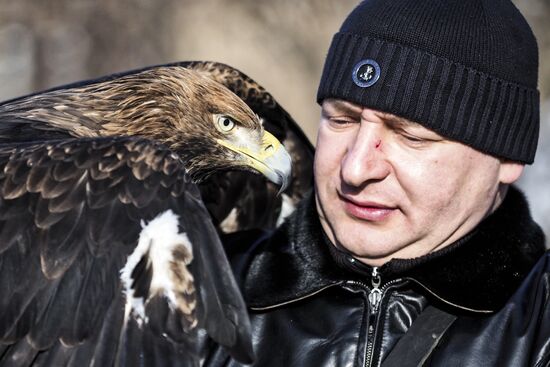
[108,257]
[238,200]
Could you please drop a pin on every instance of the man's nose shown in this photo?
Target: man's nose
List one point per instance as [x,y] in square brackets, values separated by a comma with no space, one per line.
[365,159]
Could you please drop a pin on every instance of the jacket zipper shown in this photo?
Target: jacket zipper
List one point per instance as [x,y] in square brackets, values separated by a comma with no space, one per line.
[374,297]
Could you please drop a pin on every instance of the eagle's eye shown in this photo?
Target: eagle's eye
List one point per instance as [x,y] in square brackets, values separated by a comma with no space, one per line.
[225,124]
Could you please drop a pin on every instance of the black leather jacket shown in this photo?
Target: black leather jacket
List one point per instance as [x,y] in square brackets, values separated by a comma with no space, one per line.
[312,305]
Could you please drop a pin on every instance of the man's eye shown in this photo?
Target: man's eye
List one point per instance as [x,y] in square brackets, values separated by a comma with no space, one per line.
[413,138]
[340,121]
[418,141]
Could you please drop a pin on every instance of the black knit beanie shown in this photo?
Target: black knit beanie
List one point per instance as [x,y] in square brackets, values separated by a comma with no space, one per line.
[466,69]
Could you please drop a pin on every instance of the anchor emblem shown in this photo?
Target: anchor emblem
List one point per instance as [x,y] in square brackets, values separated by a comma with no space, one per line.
[366,73]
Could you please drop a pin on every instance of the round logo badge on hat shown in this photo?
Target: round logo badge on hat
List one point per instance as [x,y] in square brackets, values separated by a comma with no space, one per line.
[366,73]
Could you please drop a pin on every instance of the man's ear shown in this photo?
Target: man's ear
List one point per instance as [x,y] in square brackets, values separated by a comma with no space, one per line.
[510,171]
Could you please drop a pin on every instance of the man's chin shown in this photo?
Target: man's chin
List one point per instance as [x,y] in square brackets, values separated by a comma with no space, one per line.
[378,249]
[373,255]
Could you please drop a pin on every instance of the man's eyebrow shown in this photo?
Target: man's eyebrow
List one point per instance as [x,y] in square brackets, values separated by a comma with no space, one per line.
[398,121]
[343,106]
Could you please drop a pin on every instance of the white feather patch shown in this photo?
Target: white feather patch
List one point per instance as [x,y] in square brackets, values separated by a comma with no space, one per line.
[230,224]
[287,207]
[159,238]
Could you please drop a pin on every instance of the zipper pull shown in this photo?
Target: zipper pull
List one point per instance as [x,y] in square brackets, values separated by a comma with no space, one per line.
[375,294]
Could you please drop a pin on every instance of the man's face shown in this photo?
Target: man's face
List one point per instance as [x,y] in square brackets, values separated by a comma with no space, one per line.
[387,187]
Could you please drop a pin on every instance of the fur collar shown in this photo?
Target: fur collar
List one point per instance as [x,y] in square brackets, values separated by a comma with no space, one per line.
[477,273]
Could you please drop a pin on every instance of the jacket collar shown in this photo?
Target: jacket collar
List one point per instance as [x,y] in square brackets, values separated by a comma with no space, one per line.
[477,273]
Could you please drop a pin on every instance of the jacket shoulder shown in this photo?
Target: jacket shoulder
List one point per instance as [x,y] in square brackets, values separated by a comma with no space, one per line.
[516,335]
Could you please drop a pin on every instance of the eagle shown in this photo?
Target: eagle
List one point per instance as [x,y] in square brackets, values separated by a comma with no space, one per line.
[114,193]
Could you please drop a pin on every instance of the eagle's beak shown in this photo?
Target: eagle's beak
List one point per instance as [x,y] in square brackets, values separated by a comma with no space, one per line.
[271,160]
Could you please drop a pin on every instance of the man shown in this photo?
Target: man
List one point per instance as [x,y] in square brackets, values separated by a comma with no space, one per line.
[413,249]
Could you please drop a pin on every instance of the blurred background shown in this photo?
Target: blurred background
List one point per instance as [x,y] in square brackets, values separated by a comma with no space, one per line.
[281,44]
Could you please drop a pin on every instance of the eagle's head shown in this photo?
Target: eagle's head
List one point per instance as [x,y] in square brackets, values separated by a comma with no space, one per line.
[198,118]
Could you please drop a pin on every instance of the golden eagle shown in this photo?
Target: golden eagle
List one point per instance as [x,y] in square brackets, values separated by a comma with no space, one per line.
[112,195]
